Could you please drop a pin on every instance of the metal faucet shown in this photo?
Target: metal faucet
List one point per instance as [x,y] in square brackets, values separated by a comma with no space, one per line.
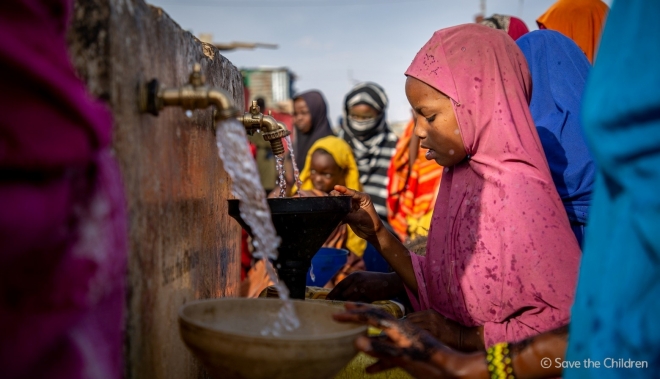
[272,130]
[196,95]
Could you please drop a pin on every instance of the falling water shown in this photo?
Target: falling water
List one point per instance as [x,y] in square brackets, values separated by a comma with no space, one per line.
[238,162]
[296,173]
[279,166]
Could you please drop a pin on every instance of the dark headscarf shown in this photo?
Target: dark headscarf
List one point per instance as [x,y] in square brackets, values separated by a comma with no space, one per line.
[320,125]
[559,71]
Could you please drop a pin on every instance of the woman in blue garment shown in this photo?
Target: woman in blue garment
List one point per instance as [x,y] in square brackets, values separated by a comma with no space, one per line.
[559,72]
[617,308]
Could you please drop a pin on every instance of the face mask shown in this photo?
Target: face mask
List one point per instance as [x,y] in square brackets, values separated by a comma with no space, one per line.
[362,125]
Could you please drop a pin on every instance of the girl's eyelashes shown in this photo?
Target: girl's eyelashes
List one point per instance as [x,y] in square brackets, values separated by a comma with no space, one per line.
[430,119]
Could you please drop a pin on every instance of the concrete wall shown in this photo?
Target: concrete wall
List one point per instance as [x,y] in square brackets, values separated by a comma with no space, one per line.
[183,246]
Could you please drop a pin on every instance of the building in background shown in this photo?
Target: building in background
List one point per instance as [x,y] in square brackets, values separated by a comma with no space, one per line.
[273,84]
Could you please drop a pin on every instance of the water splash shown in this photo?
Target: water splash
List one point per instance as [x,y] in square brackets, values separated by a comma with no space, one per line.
[296,173]
[246,186]
[311,272]
[279,166]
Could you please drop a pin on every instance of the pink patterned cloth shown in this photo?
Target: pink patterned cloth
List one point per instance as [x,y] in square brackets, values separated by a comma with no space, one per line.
[62,211]
[501,252]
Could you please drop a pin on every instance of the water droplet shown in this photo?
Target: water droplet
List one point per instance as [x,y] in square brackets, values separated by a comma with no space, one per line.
[463,48]
[311,273]
[189,113]
[457,132]
[451,151]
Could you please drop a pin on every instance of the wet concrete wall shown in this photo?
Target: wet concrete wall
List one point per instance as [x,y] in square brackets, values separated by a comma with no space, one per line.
[183,246]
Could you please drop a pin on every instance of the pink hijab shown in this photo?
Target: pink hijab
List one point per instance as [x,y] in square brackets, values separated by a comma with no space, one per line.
[501,252]
[63,242]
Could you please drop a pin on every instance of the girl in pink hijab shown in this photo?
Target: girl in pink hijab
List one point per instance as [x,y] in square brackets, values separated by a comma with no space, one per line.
[501,260]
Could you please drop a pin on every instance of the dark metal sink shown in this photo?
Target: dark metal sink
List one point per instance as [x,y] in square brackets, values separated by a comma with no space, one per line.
[303,224]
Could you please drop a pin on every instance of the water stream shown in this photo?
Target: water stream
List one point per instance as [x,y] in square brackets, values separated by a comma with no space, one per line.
[279,166]
[296,173]
[246,186]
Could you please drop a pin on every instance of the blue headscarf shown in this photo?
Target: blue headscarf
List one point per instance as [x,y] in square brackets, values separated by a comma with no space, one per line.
[617,306]
[559,71]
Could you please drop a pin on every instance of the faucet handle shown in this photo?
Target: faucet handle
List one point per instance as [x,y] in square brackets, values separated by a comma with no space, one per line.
[255,110]
[196,78]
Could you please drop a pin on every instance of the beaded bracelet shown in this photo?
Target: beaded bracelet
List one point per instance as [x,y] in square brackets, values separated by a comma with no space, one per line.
[499,361]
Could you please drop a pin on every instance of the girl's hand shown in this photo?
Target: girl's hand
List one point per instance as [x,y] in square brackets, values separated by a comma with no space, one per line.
[410,348]
[449,332]
[428,320]
[363,218]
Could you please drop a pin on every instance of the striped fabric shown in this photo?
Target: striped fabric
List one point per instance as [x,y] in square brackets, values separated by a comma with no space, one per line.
[412,193]
[373,149]
[373,159]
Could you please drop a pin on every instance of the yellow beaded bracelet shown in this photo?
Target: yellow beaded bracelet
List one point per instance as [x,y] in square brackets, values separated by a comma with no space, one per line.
[499,361]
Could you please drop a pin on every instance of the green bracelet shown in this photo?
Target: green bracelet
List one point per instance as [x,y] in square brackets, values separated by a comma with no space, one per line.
[499,361]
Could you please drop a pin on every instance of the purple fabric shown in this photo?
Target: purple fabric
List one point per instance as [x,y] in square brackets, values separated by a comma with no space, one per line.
[63,222]
[320,125]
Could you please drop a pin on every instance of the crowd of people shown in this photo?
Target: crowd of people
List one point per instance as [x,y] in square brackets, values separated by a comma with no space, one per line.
[403,184]
[527,170]
[514,137]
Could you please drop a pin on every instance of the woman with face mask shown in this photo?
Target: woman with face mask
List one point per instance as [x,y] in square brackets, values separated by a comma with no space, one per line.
[365,129]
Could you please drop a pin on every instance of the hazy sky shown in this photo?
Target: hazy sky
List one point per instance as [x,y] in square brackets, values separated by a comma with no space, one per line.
[332,44]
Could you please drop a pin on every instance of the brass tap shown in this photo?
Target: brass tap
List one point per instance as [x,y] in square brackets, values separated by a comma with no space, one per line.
[196,95]
[192,95]
[272,130]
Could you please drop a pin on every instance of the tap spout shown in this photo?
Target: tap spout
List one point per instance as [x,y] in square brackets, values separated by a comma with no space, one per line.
[192,95]
[272,130]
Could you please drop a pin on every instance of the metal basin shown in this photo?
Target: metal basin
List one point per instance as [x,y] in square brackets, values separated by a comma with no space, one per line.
[303,224]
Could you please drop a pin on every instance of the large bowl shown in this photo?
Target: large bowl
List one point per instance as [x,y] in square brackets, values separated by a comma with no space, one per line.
[225,335]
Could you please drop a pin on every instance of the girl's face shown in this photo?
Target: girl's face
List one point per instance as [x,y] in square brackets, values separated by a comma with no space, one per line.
[435,123]
[302,119]
[362,112]
[324,172]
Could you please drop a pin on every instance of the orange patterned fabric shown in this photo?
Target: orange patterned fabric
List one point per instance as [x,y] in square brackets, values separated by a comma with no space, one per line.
[411,193]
